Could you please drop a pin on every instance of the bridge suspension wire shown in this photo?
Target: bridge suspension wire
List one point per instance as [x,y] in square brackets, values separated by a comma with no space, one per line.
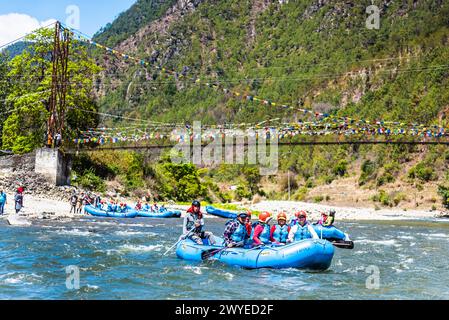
[26,35]
[281,143]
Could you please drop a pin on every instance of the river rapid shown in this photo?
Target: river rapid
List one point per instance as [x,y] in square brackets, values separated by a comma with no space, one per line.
[123,259]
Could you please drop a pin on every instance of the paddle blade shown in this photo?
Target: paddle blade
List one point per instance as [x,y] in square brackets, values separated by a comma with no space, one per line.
[343,244]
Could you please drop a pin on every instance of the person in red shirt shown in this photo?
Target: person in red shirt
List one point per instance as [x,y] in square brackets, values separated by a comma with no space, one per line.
[262,230]
[139,205]
[249,227]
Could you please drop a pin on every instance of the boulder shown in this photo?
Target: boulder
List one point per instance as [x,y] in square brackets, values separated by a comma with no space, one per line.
[16,220]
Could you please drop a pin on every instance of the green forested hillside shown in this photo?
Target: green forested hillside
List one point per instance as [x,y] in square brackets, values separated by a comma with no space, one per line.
[299,54]
[310,54]
[130,21]
[16,49]
[313,54]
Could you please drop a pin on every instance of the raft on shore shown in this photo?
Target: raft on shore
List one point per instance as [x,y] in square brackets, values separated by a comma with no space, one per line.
[221,212]
[310,254]
[129,213]
[162,213]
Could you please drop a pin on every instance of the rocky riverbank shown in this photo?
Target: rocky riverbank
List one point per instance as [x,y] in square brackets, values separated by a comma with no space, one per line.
[345,213]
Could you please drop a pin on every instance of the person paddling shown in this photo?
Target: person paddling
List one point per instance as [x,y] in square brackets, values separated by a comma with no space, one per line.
[327,220]
[279,232]
[194,221]
[302,230]
[249,227]
[236,233]
[261,229]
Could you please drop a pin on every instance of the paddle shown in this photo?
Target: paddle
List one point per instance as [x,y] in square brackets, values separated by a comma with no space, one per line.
[343,244]
[209,253]
[182,237]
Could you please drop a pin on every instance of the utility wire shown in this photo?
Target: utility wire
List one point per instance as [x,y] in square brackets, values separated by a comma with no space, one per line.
[28,34]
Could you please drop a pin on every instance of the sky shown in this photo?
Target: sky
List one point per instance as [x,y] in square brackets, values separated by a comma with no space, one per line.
[19,17]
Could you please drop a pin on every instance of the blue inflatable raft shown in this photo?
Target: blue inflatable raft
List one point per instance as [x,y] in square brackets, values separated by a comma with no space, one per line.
[311,254]
[163,213]
[336,236]
[130,213]
[221,212]
[329,233]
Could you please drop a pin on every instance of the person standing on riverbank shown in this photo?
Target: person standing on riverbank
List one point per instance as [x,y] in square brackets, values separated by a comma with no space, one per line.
[2,202]
[73,202]
[80,203]
[18,200]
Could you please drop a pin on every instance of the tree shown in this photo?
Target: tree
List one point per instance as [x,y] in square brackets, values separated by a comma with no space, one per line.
[30,74]
[4,91]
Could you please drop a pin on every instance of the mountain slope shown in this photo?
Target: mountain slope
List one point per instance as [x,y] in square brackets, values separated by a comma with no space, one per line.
[298,53]
[315,54]
[130,21]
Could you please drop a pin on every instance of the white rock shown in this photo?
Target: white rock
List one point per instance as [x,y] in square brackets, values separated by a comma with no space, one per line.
[16,220]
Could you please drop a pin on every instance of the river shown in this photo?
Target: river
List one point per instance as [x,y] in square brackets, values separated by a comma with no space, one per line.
[123,259]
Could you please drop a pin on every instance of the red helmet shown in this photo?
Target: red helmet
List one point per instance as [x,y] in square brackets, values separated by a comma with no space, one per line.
[282,216]
[300,213]
[265,217]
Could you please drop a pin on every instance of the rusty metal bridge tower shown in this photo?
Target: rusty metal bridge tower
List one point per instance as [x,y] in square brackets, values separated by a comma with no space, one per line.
[60,79]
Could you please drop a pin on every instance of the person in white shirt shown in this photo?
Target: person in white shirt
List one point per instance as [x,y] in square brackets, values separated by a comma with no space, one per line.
[301,230]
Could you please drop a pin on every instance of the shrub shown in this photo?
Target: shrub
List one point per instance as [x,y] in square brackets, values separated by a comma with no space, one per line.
[301,194]
[91,182]
[309,184]
[398,197]
[422,172]
[341,168]
[179,182]
[368,172]
[385,178]
[328,179]
[242,191]
[225,196]
[443,191]
[390,172]
[318,199]
[383,198]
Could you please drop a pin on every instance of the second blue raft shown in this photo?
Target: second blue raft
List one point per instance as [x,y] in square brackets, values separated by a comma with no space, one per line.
[329,233]
[129,213]
[221,212]
[159,214]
